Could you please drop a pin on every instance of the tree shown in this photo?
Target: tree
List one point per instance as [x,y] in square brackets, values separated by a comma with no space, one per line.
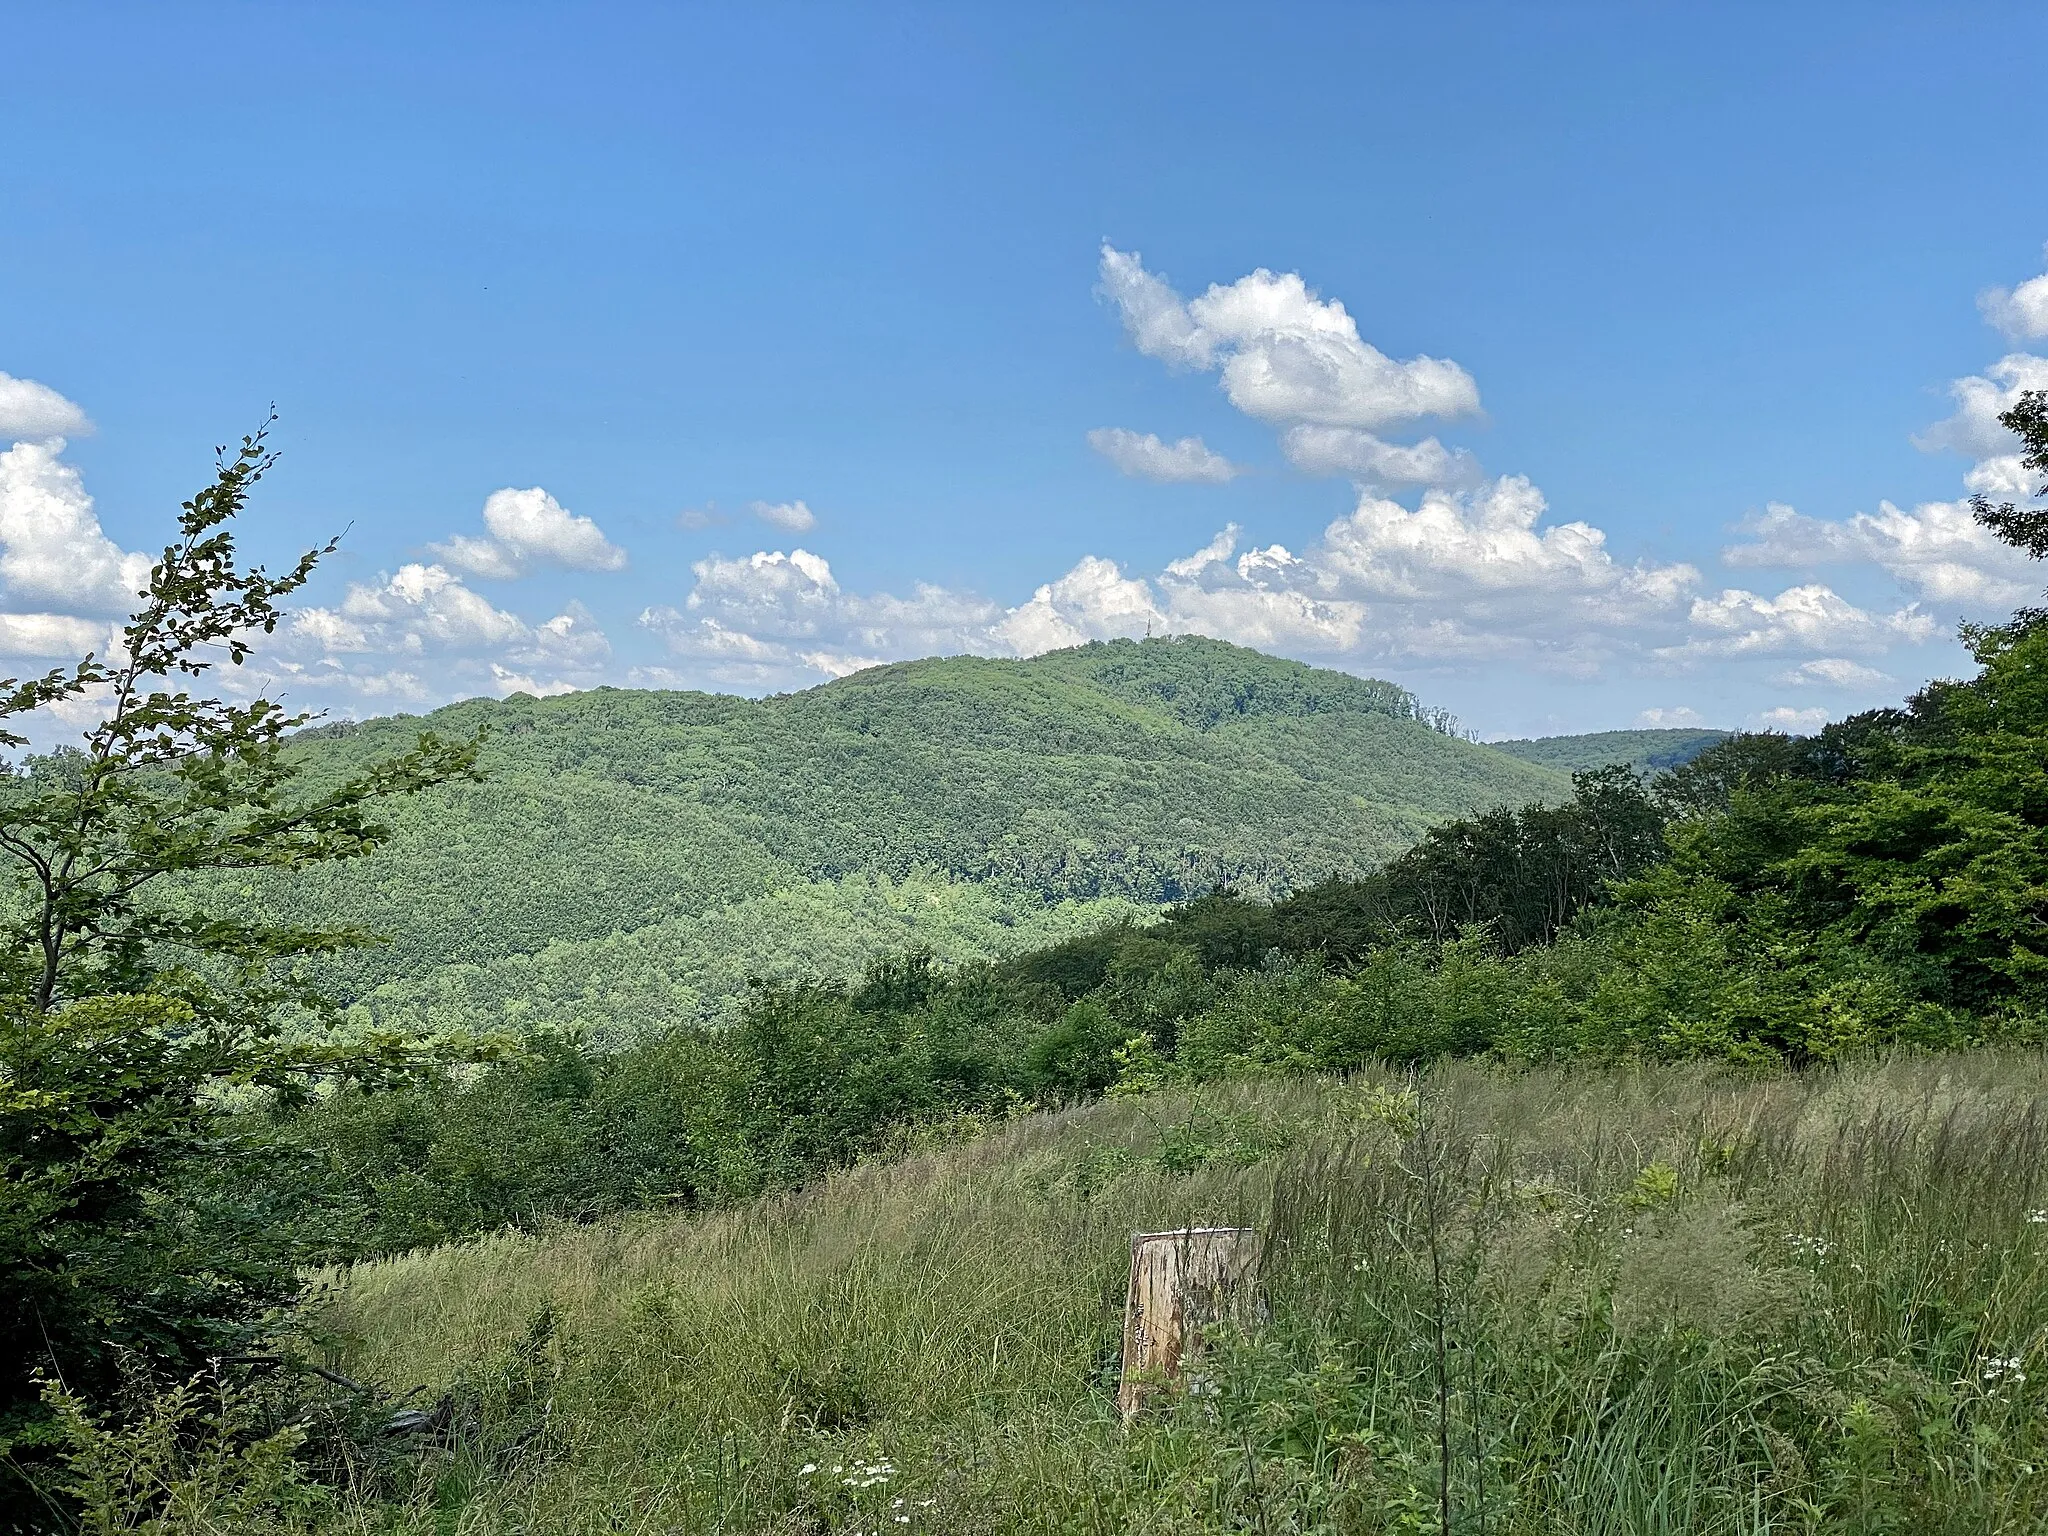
[1884,881]
[1524,874]
[129,1004]
[2023,527]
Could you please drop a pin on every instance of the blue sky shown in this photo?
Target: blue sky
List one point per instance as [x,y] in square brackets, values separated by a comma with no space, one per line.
[807,336]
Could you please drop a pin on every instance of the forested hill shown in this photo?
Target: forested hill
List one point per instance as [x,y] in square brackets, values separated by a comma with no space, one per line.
[1645,751]
[633,857]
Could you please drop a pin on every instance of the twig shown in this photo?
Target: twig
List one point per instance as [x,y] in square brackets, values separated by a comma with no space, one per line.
[306,1365]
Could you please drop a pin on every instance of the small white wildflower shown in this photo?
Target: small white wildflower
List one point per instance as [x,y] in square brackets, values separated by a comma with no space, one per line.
[2037,1217]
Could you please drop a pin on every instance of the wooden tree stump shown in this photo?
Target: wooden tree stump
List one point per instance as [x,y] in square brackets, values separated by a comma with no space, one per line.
[1180,1283]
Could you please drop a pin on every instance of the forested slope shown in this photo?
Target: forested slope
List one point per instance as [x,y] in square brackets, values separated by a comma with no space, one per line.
[633,856]
[1645,751]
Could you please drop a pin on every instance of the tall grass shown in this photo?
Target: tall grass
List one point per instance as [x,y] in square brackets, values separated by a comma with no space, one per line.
[1667,1300]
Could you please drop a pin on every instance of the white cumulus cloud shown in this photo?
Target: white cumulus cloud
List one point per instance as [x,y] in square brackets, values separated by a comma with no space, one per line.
[1980,399]
[419,633]
[791,594]
[32,411]
[416,635]
[1463,576]
[2004,476]
[1668,718]
[1373,461]
[1268,598]
[52,550]
[1093,601]
[1793,722]
[421,605]
[1803,618]
[773,618]
[1938,549]
[1478,572]
[571,638]
[1285,355]
[1832,672]
[1188,460]
[56,636]
[791,515]
[506,681]
[530,528]
[2021,312]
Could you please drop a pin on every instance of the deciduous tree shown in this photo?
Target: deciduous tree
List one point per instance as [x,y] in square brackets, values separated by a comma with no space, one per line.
[132,1008]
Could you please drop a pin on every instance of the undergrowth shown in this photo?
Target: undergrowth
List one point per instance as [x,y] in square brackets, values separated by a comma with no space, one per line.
[1591,1302]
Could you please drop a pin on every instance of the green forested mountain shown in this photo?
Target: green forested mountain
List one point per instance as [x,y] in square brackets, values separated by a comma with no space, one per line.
[1645,751]
[633,857]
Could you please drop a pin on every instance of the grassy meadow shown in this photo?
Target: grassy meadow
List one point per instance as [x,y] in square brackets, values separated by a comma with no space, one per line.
[1588,1301]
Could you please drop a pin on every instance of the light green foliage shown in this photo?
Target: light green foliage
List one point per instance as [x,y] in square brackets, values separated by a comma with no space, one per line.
[694,969]
[195,1459]
[1672,1300]
[1128,771]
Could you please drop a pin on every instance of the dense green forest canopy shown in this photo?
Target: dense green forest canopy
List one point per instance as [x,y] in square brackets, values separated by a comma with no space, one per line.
[632,858]
[1645,751]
